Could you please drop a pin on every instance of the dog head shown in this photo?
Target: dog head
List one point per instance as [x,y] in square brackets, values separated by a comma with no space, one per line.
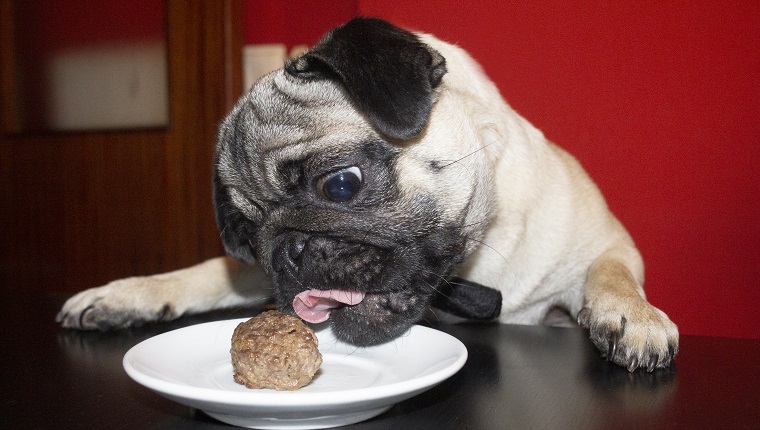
[332,174]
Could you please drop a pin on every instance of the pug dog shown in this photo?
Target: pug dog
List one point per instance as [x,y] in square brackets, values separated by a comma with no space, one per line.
[381,174]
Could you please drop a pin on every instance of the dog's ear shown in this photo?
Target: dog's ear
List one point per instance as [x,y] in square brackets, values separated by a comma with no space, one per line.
[468,299]
[235,229]
[388,72]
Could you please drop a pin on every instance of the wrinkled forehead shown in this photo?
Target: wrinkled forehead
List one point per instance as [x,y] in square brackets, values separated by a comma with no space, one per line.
[282,119]
[282,110]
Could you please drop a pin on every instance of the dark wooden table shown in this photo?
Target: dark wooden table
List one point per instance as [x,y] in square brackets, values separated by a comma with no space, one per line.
[521,377]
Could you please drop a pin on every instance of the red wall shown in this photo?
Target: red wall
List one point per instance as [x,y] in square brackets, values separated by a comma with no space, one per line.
[294,22]
[62,24]
[659,100]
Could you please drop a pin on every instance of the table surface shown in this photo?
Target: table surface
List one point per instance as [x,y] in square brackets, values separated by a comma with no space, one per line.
[518,377]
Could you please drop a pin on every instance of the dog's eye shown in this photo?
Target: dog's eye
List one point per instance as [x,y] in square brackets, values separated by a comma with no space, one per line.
[341,186]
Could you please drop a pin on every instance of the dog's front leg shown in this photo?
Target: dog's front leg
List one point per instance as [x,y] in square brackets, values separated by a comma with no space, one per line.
[214,284]
[623,325]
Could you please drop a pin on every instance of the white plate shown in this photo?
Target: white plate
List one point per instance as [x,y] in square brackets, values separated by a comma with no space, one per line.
[192,366]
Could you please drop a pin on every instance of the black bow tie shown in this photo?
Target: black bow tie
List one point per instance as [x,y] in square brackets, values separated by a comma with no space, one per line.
[468,299]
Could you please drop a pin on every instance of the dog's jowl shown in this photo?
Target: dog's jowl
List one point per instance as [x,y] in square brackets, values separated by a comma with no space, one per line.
[380,174]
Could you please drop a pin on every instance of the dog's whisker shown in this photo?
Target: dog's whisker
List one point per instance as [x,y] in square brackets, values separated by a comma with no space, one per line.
[464,226]
[508,265]
[468,155]
[429,285]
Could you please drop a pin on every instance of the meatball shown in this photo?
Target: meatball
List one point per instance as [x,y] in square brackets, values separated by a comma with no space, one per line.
[274,350]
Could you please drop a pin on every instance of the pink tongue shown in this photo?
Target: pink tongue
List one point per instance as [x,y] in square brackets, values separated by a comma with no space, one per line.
[314,306]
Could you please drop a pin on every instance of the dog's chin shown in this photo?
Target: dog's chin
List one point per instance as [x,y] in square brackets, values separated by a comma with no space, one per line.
[379,318]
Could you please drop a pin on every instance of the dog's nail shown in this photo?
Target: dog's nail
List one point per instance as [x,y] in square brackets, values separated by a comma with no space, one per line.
[611,348]
[652,363]
[633,364]
[83,314]
[166,313]
[583,316]
[671,353]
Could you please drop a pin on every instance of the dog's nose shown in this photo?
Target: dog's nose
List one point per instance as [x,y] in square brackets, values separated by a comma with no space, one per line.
[289,252]
[296,245]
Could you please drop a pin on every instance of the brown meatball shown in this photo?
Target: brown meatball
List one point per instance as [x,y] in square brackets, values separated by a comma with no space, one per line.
[274,350]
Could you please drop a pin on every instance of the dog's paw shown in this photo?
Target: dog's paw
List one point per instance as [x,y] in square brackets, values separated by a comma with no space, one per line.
[632,335]
[120,304]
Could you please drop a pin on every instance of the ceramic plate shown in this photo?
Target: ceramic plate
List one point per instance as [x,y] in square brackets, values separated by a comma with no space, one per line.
[192,366]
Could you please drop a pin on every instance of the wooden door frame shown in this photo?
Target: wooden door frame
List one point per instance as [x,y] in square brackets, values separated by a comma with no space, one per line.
[78,209]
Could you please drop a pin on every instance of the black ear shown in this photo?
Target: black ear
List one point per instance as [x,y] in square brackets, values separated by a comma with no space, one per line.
[468,299]
[235,229]
[388,72]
